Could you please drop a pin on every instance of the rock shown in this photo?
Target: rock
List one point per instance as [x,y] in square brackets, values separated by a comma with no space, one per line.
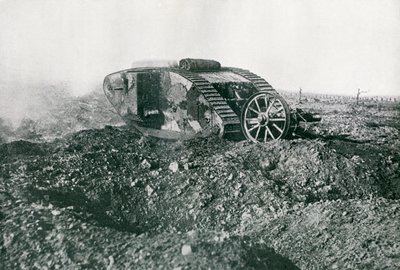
[319,183]
[186,250]
[154,173]
[149,190]
[7,239]
[174,167]
[55,212]
[192,233]
[267,165]
[111,264]
[145,164]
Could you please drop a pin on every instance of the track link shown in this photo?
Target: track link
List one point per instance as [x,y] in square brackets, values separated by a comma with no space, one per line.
[257,81]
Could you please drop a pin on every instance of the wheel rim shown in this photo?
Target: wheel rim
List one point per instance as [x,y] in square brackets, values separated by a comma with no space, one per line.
[265,116]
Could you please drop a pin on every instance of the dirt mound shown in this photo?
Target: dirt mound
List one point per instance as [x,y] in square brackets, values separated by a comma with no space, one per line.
[53,237]
[21,149]
[109,198]
[143,185]
[354,234]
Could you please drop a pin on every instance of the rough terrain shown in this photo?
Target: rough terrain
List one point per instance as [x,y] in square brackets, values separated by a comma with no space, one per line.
[88,193]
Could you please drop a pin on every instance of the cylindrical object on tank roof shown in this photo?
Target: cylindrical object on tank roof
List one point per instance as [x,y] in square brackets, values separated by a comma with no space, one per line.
[199,64]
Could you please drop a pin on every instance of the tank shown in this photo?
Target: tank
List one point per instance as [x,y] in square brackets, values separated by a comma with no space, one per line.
[199,97]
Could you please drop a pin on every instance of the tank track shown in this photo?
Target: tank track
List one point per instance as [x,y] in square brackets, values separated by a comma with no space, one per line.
[257,81]
[230,121]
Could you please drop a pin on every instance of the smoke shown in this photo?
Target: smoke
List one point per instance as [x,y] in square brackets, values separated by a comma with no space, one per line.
[42,112]
[29,100]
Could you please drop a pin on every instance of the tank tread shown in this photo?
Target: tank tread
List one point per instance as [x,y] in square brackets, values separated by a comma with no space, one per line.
[221,107]
[206,87]
[227,110]
[220,103]
[212,96]
[230,119]
[202,84]
[211,91]
[212,100]
[226,114]
[231,127]
[257,81]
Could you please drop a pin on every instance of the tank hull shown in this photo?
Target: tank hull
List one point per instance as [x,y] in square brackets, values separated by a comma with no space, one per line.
[198,99]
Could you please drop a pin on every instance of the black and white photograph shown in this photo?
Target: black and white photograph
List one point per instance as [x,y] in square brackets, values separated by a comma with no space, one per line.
[188,134]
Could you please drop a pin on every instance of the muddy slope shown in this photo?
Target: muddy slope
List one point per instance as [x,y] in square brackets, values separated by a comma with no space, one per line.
[111,199]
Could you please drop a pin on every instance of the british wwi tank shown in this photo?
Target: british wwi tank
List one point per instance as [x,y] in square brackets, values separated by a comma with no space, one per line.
[198,98]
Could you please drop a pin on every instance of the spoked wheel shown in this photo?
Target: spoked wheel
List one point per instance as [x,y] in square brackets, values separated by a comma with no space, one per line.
[265,116]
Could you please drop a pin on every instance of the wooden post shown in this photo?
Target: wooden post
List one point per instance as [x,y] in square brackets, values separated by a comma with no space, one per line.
[358,94]
[300,90]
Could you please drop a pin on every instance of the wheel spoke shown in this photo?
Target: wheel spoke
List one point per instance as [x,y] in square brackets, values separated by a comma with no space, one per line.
[252,120]
[258,131]
[258,106]
[266,103]
[279,109]
[251,109]
[278,128]
[265,134]
[254,127]
[277,119]
[270,133]
[270,105]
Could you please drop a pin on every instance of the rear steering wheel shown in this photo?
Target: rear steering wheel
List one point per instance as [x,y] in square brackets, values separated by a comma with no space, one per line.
[265,116]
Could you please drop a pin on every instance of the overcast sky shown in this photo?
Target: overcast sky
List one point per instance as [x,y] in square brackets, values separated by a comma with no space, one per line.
[321,46]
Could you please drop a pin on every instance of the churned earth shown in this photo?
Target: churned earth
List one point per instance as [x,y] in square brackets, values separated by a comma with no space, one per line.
[99,196]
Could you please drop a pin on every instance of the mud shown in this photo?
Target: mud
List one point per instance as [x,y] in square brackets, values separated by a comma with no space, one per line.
[109,198]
